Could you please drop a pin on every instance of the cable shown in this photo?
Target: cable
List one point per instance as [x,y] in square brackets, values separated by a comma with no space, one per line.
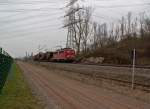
[29,27]
[104,18]
[19,14]
[30,24]
[26,10]
[26,33]
[36,31]
[27,2]
[121,6]
[31,17]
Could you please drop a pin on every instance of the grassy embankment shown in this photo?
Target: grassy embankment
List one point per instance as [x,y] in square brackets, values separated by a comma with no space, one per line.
[16,94]
[120,52]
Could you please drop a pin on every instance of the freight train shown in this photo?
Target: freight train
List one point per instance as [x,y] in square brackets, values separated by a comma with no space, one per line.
[62,55]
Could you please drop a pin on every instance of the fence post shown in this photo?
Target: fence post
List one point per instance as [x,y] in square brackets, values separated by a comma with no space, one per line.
[133,68]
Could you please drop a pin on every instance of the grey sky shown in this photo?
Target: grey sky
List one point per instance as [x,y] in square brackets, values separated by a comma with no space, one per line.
[27,23]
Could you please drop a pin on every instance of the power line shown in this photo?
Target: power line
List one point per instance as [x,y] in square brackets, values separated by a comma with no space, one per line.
[24,34]
[121,6]
[30,4]
[103,17]
[32,23]
[19,14]
[29,27]
[28,10]
[27,2]
[36,22]
[31,17]
[6,4]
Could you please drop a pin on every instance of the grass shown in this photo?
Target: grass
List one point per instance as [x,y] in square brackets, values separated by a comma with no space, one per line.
[16,94]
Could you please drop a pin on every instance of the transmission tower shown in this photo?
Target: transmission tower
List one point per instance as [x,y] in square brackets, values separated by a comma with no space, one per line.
[70,33]
[71,21]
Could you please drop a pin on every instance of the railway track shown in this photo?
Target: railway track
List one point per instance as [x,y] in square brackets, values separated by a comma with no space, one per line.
[138,84]
[121,75]
[113,65]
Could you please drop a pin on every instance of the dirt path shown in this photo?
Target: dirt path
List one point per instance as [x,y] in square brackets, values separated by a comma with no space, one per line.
[65,93]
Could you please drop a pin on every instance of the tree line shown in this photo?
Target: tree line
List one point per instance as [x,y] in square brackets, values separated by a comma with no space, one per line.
[87,35]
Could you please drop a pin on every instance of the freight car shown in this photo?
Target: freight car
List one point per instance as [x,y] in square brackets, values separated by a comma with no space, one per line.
[62,55]
[43,56]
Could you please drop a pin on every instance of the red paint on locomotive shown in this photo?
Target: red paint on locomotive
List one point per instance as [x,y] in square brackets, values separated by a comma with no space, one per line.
[66,54]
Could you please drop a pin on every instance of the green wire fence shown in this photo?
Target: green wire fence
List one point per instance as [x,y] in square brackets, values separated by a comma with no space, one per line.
[5,66]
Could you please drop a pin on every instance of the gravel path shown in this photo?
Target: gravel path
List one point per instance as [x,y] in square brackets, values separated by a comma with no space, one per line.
[122,74]
[64,93]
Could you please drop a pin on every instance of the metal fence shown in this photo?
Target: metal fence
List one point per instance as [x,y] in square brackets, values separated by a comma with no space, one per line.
[5,65]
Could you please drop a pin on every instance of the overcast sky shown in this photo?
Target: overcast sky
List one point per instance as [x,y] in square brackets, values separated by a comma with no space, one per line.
[25,24]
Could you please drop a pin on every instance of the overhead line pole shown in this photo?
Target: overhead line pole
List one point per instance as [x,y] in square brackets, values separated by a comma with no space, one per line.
[133,68]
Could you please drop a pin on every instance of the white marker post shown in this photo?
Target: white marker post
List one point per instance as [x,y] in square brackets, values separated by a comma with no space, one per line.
[133,68]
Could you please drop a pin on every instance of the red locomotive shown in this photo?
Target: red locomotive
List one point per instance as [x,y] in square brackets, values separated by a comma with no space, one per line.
[62,55]
[66,54]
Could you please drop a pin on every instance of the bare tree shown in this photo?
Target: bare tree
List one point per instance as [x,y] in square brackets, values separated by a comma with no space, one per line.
[122,28]
[147,25]
[134,27]
[117,33]
[80,30]
[86,28]
[111,38]
[129,18]
[142,24]
[100,35]
[95,36]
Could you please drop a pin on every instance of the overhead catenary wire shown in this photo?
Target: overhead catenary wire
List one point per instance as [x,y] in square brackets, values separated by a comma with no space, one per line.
[30,24]
[25,18]
[23,11]
[26,14]
[105,18]
[28,10]
[28,2]
[29,33]
[31,29]
[122,6]
[31,16]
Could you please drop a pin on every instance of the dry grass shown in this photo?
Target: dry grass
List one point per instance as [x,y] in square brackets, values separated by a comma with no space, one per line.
[120,53]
